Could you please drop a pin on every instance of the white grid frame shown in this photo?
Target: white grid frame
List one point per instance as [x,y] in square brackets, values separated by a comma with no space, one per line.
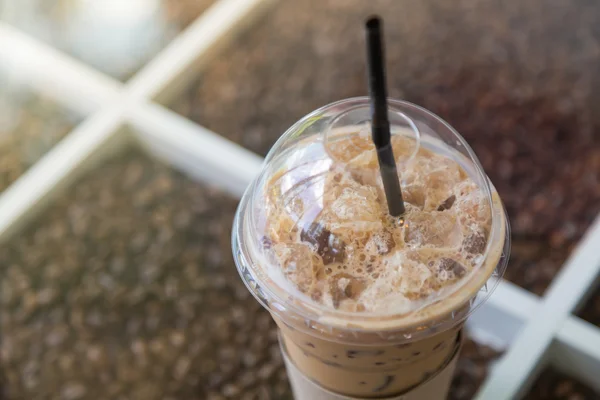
[534,332]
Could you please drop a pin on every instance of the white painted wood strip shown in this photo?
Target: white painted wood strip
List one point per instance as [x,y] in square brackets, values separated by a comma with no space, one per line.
[514,300]
[499,320]
[195,149]
[514,372]
[47,70]
[211,30]
[576,351]
[76,152]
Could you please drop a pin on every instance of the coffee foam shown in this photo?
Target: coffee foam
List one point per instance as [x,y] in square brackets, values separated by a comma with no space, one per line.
[331,238]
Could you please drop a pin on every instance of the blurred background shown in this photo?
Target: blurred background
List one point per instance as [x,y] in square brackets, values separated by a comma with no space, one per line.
[125,287]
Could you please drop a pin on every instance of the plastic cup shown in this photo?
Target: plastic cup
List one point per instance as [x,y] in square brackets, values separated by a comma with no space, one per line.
[338,343]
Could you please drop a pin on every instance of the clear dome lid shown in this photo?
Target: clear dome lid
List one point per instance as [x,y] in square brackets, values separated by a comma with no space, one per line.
[313,239]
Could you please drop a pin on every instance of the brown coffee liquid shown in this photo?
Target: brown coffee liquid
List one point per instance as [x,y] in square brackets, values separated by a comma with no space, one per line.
[368,371]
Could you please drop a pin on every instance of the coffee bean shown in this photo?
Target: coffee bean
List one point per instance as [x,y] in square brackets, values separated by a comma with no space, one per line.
[266,371]
[553,384]
[471,369]
[31,125]
[250,359]
[73,391]
[247,379]
[231,391]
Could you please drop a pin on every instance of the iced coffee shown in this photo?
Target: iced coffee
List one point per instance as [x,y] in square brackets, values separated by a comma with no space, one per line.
[369,305]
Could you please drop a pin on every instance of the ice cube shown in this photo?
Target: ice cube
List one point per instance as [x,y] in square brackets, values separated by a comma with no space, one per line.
[415,276]
[470,201]
[355,150]
[381,242]
[414,194]
[345,286]
[442,172]
[403,147]
[298,263]
[356,205]
[445,271]
[439,199]
[432,229]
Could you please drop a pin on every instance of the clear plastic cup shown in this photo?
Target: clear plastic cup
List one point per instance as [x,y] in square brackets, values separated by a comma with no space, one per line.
[352,344]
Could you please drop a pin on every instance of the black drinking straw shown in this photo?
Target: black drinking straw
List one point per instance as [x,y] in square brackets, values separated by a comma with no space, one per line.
[380,125]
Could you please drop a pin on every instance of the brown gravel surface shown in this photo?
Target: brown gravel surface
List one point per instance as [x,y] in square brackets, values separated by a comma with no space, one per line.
[125,289]
[471,370]
[557,386]
[591,310]
[517,79]
[30,125]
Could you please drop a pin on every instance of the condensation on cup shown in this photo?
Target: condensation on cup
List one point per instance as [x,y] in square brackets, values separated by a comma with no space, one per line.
[369,305]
